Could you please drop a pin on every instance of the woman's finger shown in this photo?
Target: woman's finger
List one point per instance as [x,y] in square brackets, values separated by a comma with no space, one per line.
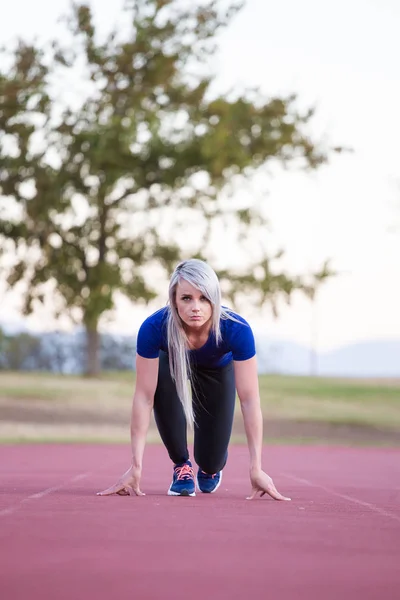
[121,490]
[114,489]
[269,489]
[275,494]
[128,490]
[253,494]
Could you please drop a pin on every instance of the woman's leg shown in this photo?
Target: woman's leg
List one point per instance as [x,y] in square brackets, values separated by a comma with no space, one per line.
[214,404]
[169,415]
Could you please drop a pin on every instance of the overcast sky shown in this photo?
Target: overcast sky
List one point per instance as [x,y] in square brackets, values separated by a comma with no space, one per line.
[342,57]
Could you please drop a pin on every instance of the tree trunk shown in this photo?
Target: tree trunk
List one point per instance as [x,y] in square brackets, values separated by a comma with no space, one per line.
[92,351]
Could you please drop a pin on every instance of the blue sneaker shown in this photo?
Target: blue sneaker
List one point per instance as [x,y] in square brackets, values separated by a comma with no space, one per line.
[183,480]
[208,484]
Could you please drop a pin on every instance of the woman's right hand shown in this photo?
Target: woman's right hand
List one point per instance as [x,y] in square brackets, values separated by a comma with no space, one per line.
[127,485]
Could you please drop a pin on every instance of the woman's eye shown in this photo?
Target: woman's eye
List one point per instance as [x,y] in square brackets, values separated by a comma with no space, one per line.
[202,298]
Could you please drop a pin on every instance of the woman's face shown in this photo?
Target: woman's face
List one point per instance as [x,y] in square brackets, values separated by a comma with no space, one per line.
[193,308]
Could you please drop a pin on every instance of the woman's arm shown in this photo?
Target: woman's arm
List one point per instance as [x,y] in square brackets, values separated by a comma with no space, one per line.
[143,400]
[246,380]
[142,405]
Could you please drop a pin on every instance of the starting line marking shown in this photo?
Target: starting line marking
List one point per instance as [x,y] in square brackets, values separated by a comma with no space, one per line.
[12,509]
[372,507]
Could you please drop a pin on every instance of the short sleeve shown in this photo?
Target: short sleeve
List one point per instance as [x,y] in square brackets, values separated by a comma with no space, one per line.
[149,339]
[241,339]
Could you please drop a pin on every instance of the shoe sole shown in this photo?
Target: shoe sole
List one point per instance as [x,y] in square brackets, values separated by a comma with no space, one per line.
[212,491]
[182,493]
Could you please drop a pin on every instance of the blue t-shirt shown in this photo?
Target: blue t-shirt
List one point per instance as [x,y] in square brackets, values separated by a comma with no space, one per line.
[237,341]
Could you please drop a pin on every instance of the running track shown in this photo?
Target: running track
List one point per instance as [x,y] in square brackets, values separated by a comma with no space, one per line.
[339,538]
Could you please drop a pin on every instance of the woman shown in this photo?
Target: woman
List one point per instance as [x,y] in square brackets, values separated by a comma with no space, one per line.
[194,338]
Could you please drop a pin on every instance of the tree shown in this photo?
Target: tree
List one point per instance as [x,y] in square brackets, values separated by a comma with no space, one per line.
[104,192]
[3,348]
[22,352]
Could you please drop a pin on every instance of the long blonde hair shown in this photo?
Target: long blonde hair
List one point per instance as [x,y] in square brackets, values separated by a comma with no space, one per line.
[201,276]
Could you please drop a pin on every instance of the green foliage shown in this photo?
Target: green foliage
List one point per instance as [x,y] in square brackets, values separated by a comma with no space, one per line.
[18,352]
[3,346]
[101,194]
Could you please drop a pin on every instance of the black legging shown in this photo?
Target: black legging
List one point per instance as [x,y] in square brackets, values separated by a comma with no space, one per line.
[213,402]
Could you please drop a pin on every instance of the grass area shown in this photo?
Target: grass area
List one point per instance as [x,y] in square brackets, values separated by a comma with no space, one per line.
[363,402]
[44,407]
[33,387]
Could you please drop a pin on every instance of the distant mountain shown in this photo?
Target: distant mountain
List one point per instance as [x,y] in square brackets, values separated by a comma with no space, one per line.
[374,358]
[283,356]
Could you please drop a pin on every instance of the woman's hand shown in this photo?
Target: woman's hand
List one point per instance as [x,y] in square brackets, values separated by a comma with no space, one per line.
[261,482]
[128,485]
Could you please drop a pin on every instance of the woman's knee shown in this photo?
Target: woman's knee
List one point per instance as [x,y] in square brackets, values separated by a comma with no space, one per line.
[210,464]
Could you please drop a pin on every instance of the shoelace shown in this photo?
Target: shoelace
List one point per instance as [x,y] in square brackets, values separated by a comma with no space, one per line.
[184,472]
[208,475]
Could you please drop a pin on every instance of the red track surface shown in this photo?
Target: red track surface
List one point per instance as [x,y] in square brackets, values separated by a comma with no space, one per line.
[338,539]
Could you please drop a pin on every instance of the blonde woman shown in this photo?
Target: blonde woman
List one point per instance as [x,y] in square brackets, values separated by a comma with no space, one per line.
[194,339]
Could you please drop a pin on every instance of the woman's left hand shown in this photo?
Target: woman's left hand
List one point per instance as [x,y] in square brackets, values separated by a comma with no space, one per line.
[261,482]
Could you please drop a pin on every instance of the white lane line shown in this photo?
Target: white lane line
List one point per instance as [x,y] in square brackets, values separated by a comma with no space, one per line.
[372,507]
[11,509]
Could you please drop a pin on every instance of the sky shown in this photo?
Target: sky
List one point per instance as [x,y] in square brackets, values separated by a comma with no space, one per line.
[342,58]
